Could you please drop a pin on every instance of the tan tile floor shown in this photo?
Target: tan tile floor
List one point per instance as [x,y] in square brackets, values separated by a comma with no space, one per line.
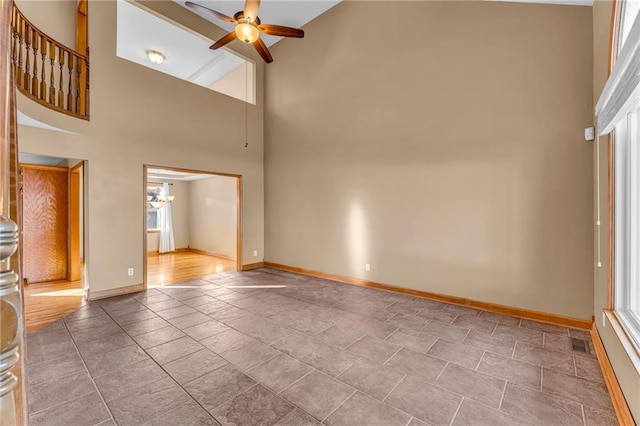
[273,348]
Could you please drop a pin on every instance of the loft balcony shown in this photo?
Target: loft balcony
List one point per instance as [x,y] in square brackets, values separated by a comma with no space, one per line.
[49,72]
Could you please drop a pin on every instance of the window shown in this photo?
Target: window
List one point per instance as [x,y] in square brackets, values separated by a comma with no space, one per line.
[627,224]
[618,111]
[153,221]
[630,9]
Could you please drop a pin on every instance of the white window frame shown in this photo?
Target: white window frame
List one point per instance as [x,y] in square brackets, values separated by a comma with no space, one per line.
[618,111]
[627,225]
[628,14]
[151,209]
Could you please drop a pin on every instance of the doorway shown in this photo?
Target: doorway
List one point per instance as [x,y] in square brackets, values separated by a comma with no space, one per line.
[192,224]
[52,217]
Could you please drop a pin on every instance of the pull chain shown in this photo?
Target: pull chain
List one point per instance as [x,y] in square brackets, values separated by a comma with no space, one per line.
[598,224]
[246,97]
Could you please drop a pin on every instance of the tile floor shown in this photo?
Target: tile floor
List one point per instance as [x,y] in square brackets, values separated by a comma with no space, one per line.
[305,351]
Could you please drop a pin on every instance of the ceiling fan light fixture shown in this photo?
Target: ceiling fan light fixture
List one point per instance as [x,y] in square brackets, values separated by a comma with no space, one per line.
[248,27]
[155,56]
[247,32]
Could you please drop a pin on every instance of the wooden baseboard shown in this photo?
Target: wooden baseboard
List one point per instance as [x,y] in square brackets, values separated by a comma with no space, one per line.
[178,250]
[252,266]
[95,295]
[617,397]
[208,253]
[454,300]
[191,250]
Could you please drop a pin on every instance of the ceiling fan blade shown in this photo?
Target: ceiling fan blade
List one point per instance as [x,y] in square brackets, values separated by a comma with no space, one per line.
[279,30]
[214,13]
[251,9]
[224,40]
[262,50]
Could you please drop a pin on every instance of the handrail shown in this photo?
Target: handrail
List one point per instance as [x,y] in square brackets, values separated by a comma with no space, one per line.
[13,402]
[47,71]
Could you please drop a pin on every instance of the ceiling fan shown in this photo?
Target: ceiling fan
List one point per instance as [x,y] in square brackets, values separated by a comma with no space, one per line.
[248,27]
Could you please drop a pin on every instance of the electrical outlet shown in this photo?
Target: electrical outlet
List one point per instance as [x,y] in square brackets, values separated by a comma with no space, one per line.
[367,267]
[255,253]
[130,272]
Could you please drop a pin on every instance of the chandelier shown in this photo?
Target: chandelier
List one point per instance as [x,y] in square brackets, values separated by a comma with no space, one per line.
[156,200]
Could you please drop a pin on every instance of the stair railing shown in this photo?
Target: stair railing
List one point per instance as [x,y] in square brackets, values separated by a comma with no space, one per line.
[13,401]
[47,71]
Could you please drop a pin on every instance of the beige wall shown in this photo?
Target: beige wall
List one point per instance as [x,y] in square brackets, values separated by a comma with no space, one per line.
[448,154]
[180,214]
[153,241]
[56,17]
[204,216]
[213,219]
[626,374]
[139,116]
[238,83]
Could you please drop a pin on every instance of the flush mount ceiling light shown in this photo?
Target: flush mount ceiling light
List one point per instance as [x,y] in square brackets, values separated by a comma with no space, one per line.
[155,56]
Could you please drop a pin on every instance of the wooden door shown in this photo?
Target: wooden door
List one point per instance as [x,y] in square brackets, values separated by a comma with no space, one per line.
[45,222]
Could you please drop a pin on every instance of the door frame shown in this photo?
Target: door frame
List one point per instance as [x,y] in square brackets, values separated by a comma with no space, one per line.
[238,178]
[76,211]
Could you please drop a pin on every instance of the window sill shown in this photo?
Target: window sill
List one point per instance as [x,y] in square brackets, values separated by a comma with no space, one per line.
[153,231]
[625,340]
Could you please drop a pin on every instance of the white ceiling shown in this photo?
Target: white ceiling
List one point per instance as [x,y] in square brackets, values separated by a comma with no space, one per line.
[164,174]
[25,158]
[281,12]
[187,55]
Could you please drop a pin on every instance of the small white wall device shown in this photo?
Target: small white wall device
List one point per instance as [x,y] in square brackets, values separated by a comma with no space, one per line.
[589,133]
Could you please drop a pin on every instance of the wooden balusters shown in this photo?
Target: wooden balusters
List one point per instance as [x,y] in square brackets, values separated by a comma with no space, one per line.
[70,103]
[14,38]
[27,67]
[43,80]
[77,83]
[52,60]
[18,38]
[62,82]
[85,87]
[35,45]
[61,78]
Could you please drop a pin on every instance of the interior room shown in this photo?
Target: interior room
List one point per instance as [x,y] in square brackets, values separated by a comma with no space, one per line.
[198,237]
[321,212]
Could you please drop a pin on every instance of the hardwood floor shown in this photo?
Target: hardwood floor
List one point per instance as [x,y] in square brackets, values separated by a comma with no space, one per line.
[47,302]
[50,301]
[169,268]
